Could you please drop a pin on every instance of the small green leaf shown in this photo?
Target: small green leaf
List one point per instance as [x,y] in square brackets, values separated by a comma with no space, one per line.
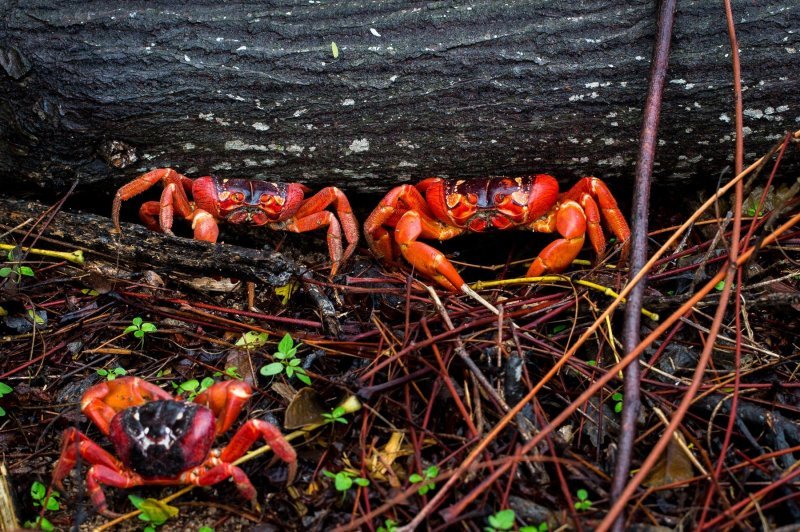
[305,379]
[38,490]
[138,334]
[289,371]
[130,328]
[52,503]
[415,478]
[206,383]
[190,385]
[26,270]
[295,362]
[5,389]
[582,494]
[149,327]
[343,482]
[153,510]
[334,50]
[2,411]
[286,343]
[271,369]
[502,520]
[363,482]
[719,286]
[137,321]
[618,408]
[252,340]
[205,529]
[5,272]
[89,292]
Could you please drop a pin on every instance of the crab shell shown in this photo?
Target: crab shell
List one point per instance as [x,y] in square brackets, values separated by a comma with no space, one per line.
[162,438]
[248,201]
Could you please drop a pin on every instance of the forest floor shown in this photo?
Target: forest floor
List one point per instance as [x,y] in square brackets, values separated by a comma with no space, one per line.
[403,411]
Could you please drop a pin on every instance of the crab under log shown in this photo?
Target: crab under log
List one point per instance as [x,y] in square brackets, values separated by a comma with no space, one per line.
[278,206]
[161,440]
[440,209]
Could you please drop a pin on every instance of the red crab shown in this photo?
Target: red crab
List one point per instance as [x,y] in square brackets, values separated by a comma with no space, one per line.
[442,209]
[279,206]
[162,440]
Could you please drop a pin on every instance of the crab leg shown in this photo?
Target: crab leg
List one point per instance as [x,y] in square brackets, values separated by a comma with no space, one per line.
[427,259]
[225,399]
[314,221]
[611,214]
[570,222]
[396,203]
[175,182]
[247,435]
[105,468]
[333,196]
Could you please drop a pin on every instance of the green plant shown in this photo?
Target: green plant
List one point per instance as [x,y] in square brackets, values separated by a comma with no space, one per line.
[112,374]
[232,372]
[191,388]
[429,474]
[139,328]
[388,526]
[153,511]
[344,480]
[48,502]
[205,529]
[5,389]
[617,398]
[583,503]
[335,416]
[530,528]
[16,269]
[502,520]
[287,361]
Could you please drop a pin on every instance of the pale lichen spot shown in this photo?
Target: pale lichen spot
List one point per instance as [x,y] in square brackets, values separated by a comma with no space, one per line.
[359,145]
[260,126]
[348,101]
[242,146]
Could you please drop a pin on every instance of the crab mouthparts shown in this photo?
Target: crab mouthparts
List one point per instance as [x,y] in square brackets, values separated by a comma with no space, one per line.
[248,215]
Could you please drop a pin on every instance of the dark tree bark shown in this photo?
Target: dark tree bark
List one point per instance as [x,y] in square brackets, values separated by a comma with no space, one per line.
[101,93]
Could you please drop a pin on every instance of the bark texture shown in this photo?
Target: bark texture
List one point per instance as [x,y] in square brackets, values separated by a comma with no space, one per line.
[98,92]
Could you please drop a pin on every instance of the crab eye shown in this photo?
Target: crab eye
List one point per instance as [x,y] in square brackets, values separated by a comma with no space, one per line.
[498,198]
[472,198]
[265,198]
[237,197]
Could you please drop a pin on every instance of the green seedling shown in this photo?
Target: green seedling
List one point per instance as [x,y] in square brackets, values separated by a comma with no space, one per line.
[583,503]
[429,474]
[5,389]
[287,362]
[193,387]
[42,500]
[112,374]
[252,340]
[139,328]
[38,494]
[502,520]
[617,398]
[344,480]
[335,416]
[153,511]
[231,372]
[388,526]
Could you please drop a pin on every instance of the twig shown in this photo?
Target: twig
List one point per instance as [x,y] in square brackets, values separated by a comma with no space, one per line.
[641,206]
